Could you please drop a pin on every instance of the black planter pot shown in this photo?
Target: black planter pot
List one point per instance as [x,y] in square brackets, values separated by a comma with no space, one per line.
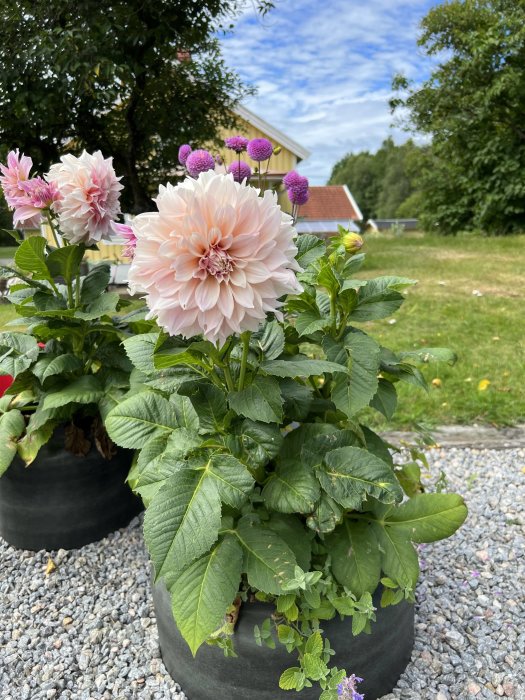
[379,658]
[63,502]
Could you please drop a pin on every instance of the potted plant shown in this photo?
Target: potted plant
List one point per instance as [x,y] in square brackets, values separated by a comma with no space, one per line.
[274,516]
[62,479]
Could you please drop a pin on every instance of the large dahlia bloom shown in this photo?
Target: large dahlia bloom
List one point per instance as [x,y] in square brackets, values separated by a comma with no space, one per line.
[89,191]
[14,177]
[215,258]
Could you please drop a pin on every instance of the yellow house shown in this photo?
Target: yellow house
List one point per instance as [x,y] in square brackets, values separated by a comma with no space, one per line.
[251,126]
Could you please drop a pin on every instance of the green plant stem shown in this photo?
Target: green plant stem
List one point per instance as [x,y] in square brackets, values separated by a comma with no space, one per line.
[228,376]
[333,315]
[77,289]
[245,338]
[53,230]
[70,300]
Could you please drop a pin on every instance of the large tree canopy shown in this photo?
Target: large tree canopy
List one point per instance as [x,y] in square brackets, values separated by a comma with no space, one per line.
[115,76]
[473,106]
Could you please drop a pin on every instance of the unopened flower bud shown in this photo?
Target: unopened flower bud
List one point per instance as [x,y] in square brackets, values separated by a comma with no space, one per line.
[352,242]
[277,150]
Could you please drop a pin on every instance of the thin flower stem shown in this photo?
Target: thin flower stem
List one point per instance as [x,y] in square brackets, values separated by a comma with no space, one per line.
[53,230]
[245,337]
[333,314]
[77,289]
[228,376]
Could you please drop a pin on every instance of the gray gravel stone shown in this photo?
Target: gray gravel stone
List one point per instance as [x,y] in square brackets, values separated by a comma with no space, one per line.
[87,632]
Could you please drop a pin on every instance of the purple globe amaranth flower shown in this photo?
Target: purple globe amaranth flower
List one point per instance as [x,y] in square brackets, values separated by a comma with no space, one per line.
[293,178]
[260,149]
[346,690]
[240,171]
[298,195]
[237,143]
[199,161]
[184,152]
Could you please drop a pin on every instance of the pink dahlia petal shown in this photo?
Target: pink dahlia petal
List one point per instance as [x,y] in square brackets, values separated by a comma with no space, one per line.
[200,261]
[13,174]
[89,196]
[125,231]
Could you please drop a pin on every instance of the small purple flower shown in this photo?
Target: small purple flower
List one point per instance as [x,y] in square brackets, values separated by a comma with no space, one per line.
[292,178]
[199,161]
[240,171]
[346,689]
[184,152]
[298,195]
[237,143]
[260,149]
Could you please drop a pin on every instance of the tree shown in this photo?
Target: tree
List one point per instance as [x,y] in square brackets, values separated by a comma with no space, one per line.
[133,78]
[382,183]
[473,107]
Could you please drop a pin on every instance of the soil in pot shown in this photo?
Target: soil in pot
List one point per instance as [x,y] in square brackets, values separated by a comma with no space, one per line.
[62,501]
[379,658]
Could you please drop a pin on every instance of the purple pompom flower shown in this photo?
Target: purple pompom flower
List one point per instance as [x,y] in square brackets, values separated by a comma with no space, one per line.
[299,194]
[240,171]
[292,178]
[346,689]
[237,143]
[199,161]
[184,152]
[260,149]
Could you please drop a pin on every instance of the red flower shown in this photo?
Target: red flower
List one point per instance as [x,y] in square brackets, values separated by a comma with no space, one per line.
[5,382]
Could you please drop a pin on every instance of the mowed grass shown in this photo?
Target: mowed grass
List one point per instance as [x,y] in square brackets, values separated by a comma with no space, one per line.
[486,332]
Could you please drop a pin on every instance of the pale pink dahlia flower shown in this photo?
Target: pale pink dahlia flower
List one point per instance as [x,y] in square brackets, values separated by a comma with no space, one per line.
[89,192]
[126,232]
[215,259]
[14,176]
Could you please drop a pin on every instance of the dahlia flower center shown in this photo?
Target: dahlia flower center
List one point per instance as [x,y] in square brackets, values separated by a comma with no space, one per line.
[216,262]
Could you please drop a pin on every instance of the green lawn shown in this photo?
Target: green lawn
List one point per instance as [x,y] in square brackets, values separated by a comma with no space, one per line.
[486,332]
[7,252]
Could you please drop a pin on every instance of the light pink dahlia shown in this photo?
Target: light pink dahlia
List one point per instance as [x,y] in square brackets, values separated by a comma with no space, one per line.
[215,258]
[126,232]
[89,192]
[13,174]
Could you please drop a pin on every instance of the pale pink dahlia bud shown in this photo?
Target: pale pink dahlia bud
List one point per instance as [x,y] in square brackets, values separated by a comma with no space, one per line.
[240,171]
[126,232]
[215,259]
[199,161]
[184,152]
[237,143]
[260,149]
[89,191]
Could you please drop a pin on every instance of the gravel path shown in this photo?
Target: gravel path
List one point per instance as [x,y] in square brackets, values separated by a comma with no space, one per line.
[87,631]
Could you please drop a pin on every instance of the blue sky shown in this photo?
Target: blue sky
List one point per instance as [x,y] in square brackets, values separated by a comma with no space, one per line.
[323,69]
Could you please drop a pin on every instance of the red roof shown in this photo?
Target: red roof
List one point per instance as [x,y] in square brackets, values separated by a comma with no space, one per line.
[329,202]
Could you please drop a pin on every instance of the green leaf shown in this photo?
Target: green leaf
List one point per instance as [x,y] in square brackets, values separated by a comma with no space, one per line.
[30,257]
[291,489]
[104,304]
[66,261]
[385,399]
[271,340]
[352,474]
[326,515]
[95,282]
[298,399]
[309,249]
[300,367]
[210,403]
[269,562]
[350,396]
[356,560]
[182,521]
[380,297]
[314,667]
[140,349]
[310,321]
[426,355]
[399,559]
[314,644]
[292,531]
[327,279]
[428,517]
[290,678]
[234,482]
[60,364]
[260,442]
[186,415]
[202,593]
[175,357]
[30,444]
[140,417]
[260,401]
[84,390]
[12,425]
[18,351]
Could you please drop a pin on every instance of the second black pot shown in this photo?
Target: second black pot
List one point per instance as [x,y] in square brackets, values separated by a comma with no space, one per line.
[379,658]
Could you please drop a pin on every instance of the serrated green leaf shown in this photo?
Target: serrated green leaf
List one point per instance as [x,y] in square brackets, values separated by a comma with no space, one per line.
[202,593]
[314,667]
[95,282]
[300,367]
[233,481]
[30,257]
[261,442]
[352,474]
[66,261]
[61,364]
[84,390]
[326,515]
[356,560]
[140,417]
[29,446]
[285,602]
[428,517]
[314,644]
[292,531]
[105,304]
[268,562]
[399,559]
[310,321]
[353,394]
[12,425]
[271,340]
[309,249]
[292,488]
[175,357]
[210,403]
[385,399]
[260,401]
[186,415]
[182,521]
[289,679]
[380,297]
[140,349]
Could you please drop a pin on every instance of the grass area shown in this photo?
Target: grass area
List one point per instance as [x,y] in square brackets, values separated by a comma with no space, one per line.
[485,331]
[7,252]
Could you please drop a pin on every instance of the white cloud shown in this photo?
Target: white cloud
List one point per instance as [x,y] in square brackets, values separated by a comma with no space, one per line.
[323,69]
